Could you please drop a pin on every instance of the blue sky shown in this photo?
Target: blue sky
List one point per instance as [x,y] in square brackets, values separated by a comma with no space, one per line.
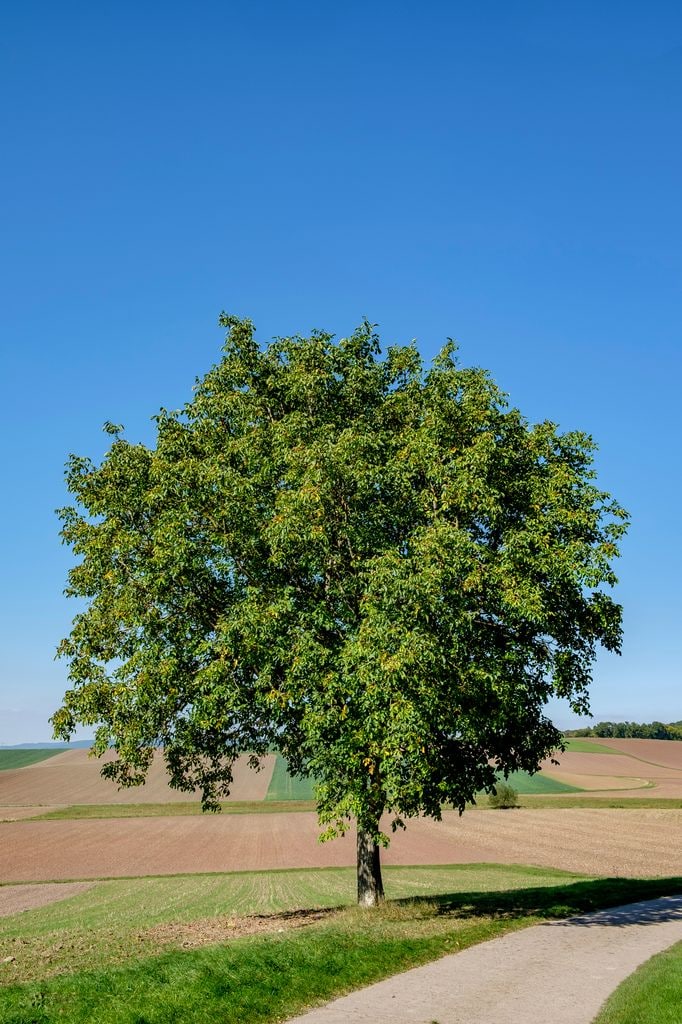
[507,174]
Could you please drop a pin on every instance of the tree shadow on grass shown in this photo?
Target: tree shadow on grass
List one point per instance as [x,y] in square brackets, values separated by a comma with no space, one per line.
[572,899]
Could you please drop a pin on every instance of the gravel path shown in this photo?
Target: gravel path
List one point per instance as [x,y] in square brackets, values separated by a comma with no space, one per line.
[561,972]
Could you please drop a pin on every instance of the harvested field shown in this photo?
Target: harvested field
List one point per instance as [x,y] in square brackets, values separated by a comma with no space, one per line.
[623,770]
[613,842]
[16,898]
[667,753]
[73,777]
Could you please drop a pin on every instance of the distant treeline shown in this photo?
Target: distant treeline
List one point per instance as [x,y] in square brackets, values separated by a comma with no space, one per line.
[632,730]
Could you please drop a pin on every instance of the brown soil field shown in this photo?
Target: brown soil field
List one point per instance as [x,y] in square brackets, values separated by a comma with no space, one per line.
[17,813]
[667,753]
[602,771]
[606,842]
[74,778]
[16,898]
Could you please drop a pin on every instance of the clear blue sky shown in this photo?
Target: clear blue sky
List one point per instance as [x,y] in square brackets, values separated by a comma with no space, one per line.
[505,173]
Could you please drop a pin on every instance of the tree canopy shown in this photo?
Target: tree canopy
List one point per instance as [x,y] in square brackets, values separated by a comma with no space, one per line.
[378,568]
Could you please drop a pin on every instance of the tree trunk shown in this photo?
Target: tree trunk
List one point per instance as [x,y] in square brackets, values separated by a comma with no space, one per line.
[370,885]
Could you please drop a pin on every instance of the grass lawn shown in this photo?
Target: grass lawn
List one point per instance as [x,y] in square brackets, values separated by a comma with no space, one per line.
[22,758]
[653,994]
[104,955]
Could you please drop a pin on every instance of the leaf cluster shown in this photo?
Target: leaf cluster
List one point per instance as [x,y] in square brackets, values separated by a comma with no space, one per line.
[378,568]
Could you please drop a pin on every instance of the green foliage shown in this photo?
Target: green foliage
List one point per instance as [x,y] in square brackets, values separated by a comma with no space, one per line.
[503,796]
[631,730]
[380,570]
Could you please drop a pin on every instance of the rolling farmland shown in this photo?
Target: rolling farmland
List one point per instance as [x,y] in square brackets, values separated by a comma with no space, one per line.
[94,841]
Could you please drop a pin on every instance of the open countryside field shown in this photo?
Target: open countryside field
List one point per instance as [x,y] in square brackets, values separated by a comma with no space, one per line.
[633,768]
[188,908]
[637,841]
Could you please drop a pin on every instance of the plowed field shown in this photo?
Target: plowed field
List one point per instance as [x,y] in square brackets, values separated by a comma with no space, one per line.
[74,778]
[611,842]
[635,764]
[667,753]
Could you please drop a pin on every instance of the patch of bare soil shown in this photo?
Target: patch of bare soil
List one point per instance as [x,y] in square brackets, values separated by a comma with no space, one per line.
[16,898]
[637,842]
[73,777]
[19,813]
[667,753]
[211,930]
[601,771]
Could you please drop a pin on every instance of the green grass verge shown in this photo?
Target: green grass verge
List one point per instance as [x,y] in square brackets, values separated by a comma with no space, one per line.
[171,810]
[269,977]
[602,802]
[284,786]
[528,800]
[23,758]
[653,994]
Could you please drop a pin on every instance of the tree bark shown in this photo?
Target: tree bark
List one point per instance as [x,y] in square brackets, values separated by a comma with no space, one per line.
[370,884]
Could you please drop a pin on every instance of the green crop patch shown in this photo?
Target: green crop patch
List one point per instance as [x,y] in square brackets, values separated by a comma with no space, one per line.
[539,784]
[284,786]
[578,745]
[24,758]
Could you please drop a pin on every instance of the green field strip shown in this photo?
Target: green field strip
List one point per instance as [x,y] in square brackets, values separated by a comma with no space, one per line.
[539,783]
[284,786]
[23,758]
[170,810]
[585,746]
[582,800]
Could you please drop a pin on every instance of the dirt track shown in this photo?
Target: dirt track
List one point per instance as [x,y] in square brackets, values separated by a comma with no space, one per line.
[614,842]
[74,778]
